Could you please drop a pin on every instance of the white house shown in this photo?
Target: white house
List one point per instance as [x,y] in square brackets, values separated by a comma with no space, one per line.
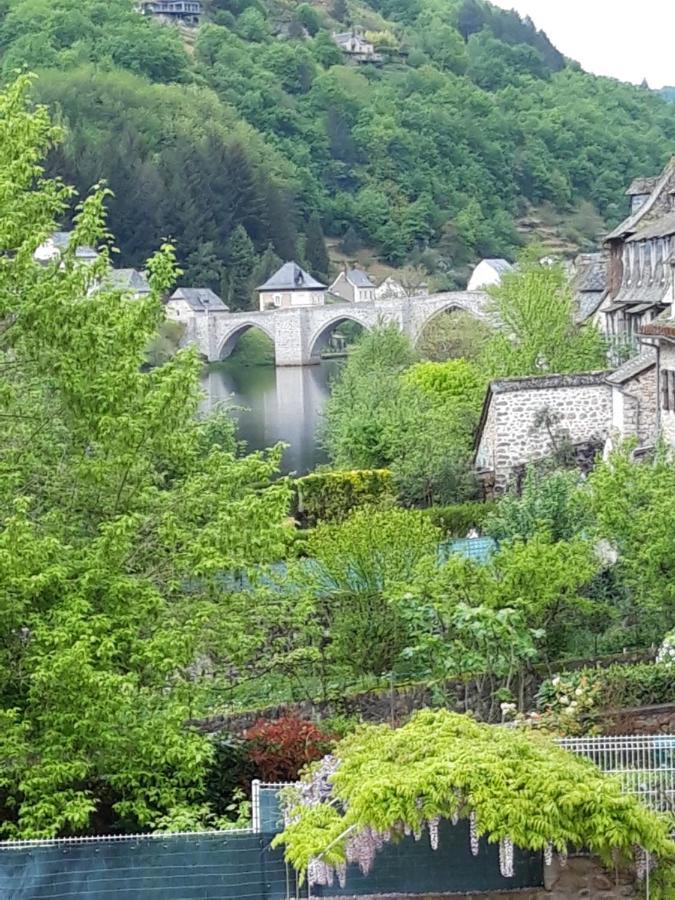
[353,285]
[56,244]
[356,46]
[487,273]
[187,303]
[291,286]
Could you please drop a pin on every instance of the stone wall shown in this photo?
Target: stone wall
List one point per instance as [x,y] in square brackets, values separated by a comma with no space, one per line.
[640,720]
[643,389]
[578,408]
[667,361]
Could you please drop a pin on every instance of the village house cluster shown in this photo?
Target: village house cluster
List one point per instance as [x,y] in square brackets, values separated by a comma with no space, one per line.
[627,290]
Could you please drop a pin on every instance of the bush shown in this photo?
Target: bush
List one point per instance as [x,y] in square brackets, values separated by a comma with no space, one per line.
[332,496]
[458,519]
[279,750]
[616,687]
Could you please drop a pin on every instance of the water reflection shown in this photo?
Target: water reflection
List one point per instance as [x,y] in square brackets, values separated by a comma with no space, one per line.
[284,404]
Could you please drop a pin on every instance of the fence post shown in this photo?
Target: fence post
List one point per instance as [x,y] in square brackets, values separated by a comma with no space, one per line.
[255,806]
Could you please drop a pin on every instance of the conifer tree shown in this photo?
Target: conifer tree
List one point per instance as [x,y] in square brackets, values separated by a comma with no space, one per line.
[315,248]
[240,257]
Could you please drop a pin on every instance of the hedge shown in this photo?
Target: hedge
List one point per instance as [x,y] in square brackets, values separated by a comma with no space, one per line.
[332,496]
[458,519]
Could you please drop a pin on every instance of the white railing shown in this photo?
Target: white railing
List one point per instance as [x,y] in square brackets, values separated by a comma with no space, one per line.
[644,764]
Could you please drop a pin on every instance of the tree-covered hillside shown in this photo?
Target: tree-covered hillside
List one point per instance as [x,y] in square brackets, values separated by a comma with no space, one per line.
[247,140]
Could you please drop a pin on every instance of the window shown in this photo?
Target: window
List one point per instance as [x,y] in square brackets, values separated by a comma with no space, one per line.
[668,390]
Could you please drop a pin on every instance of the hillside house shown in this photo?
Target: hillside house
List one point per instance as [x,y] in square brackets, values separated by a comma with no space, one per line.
[353,285]
[639,276]
[177,12]
[487,273]
[187,303]
[356,46]
[291,286]
[57,243]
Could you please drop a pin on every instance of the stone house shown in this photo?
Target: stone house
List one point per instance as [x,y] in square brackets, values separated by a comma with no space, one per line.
[130,281]
[186,303]
[291,286]
[356,46]
[57,243]
[183,12]
[639,277]
[529,419]
[353,285]
[488,273]
[526,419]
[660,337]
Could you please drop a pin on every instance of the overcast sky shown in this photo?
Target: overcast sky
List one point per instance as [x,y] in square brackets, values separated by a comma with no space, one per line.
[620,38]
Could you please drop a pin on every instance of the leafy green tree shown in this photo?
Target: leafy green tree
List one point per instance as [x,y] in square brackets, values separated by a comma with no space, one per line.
[240,260]
[309,17]
[347,588]
[549,503]
[539,333]
[624,498]
[316,254]
[120,514]
[453,334]
[339,10]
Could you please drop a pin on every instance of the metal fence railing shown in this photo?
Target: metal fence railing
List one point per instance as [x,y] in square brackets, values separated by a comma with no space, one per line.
[644,764]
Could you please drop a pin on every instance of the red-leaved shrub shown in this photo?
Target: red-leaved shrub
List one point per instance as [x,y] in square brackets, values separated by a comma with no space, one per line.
[280,749]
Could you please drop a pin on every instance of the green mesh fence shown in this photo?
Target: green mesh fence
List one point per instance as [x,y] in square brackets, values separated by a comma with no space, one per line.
[227,866]
[242,866]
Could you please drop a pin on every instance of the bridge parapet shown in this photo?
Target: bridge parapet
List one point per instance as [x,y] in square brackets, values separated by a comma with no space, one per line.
[299,334]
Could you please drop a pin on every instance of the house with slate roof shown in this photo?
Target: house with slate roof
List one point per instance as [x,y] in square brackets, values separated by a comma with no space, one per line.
[589,284]
[130,281]
[356,46]
[185,303]
[291,286]
[55,246]
[487,273]
[639,276]
[353,285]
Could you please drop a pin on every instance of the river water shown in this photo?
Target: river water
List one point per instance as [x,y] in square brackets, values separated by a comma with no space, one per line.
[275,404]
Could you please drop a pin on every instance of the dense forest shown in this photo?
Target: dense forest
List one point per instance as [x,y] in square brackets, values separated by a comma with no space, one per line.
[251,139]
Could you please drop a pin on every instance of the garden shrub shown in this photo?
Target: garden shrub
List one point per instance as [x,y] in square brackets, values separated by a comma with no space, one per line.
[332,496]
[566,700]
[666,654]
[458,519]
[279,750]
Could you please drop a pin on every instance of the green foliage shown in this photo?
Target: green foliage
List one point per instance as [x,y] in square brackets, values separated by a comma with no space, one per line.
[458,519]
[535,306]
[549,503]
[332,496]
[615,687]
[316,254]
[453,334]
[418,423]
[241,258]
[114,499]
[626,500]
[353,157]
[518,786]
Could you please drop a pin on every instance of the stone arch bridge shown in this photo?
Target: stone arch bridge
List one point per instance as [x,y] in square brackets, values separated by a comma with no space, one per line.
[299,335]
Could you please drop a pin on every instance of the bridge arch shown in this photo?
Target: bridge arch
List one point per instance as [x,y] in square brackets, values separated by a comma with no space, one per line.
[229,341]
[476,307]
[322,335]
